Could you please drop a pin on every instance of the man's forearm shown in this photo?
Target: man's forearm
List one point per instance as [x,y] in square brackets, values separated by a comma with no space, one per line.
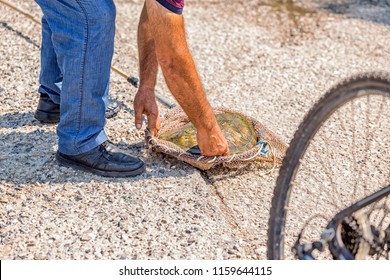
[148,64]
[166,35]
[178,66]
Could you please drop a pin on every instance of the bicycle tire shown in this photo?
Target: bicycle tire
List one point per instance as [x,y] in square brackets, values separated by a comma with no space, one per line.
[332,100]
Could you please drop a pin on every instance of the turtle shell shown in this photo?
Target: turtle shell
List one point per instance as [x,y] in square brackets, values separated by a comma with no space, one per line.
[238,131]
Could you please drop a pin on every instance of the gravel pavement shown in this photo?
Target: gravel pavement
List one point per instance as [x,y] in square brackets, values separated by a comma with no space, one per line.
[267,59]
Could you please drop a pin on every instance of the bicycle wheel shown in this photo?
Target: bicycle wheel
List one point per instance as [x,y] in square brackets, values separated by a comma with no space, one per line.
[339,154]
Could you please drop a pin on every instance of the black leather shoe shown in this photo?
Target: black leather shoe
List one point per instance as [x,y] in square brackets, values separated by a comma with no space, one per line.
[49,112]
[105,160]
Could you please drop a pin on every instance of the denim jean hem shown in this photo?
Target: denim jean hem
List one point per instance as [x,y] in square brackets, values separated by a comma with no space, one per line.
[91,144]
[54,96]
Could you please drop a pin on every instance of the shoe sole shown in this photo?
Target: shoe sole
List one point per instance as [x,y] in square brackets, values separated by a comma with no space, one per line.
[113,174]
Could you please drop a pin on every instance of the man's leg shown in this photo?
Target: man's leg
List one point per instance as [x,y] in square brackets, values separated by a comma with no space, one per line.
[83,40]
[82,37]
[50,79]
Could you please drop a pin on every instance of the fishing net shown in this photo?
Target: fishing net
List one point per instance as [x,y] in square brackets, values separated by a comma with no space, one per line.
[249,140]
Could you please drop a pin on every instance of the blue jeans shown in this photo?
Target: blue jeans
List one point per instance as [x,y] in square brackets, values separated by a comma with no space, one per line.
[76,55]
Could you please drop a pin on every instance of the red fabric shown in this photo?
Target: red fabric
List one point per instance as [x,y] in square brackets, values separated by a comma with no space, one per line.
[177,3]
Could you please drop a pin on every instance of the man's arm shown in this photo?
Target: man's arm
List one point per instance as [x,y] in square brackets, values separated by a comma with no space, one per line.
[179,70]
[145,100]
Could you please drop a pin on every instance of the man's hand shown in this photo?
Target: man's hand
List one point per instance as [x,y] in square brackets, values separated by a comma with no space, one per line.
[145,103]
[212,143]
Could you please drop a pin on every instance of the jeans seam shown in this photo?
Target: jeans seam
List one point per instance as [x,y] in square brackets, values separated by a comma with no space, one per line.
[83,62]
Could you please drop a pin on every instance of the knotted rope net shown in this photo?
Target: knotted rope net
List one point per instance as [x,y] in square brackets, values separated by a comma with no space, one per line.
[249,140]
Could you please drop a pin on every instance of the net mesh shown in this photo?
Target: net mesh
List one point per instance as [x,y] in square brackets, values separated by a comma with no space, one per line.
[249,140]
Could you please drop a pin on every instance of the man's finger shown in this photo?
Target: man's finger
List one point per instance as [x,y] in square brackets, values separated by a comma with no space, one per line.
[138,118]
[158,124]
[152,119]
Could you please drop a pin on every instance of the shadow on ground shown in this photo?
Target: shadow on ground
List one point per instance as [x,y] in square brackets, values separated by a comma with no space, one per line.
[18,33]
[29,157]
[371,10]
[376,11]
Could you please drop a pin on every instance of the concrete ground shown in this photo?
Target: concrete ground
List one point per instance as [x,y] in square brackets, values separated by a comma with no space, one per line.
[269,59]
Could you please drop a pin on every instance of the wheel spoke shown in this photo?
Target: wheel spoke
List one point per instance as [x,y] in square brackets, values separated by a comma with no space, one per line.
[346,157]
